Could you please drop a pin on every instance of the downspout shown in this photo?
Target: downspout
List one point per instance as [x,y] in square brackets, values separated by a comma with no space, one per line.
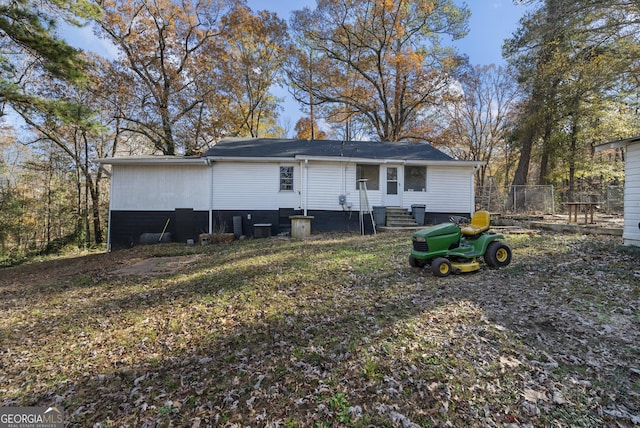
[473,189]
[110,205]
[109,220]
[208,162]
[306,184]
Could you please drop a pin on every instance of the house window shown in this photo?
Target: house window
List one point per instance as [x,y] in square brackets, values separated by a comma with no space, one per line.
[286,178]
[369,172]
[415,178]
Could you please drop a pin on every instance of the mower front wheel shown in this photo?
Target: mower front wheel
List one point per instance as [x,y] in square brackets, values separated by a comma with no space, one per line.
[497,255]
[413,262]
[441,267]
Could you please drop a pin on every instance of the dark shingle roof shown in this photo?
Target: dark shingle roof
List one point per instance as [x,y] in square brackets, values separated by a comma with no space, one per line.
[283,148]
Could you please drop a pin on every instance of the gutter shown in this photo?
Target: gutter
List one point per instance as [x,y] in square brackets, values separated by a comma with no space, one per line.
[249,159]
[208,162]
[109,216]
[299,158]
[395,161]
[157,160]
[305,171]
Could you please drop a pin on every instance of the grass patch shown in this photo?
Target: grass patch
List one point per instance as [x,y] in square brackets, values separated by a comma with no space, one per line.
[334,331]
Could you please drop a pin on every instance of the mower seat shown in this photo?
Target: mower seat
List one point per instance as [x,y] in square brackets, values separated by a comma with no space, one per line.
[480,222]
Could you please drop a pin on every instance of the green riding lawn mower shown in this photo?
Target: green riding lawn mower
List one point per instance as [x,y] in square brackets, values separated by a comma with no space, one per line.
[455,247]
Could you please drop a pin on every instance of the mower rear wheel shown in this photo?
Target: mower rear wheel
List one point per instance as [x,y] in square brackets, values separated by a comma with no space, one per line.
[441,267]
[497,255]
[413,262]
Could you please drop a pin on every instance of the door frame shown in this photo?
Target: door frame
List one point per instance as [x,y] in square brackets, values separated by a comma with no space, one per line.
[392,200]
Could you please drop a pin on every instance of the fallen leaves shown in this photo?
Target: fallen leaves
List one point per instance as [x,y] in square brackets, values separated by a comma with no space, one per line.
[534,396]
[334,331]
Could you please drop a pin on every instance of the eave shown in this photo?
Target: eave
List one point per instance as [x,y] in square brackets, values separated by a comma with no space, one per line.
[299,158]
[616,144]
[153,160]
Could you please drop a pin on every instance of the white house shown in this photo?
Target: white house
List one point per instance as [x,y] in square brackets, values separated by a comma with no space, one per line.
[631,231]
[267,180]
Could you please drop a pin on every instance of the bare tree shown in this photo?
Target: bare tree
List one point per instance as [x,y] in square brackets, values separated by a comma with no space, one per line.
[478,120]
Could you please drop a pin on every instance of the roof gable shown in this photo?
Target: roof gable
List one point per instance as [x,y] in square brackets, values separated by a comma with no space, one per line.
[285,148]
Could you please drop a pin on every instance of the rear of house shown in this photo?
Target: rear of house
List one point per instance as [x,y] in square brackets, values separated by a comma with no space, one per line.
[240,183]
[152,194]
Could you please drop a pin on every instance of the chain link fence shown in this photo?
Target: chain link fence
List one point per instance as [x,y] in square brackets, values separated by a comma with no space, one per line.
[545,200]
[610,199]
[517,199]
[614,199]
[532,200]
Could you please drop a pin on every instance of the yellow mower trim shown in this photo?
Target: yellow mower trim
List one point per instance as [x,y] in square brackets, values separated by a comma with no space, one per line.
[470,266]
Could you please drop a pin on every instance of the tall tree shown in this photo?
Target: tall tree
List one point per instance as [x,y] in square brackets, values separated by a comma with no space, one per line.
[161,44]
[28,41]
[560,52]
[530,51]
[251,63]
[79,135]
[9,207]
[381,59]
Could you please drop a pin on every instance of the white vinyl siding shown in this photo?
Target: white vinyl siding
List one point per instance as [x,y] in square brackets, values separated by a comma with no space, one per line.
[324,186]
[450,190]
[159,187]
[631,232]
[253,186]
[256,186]
[421,198]
[326,181]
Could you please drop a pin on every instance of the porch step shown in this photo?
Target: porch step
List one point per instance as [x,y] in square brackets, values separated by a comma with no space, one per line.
[399,217]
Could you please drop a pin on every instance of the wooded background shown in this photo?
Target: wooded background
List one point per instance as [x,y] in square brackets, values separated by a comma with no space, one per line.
[187,73]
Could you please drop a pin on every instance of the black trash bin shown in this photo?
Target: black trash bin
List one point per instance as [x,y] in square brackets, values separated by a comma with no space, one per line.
[418,213]
[380,216]
[237,226]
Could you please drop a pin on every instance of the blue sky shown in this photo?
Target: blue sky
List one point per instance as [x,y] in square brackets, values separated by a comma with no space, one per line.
[491,22]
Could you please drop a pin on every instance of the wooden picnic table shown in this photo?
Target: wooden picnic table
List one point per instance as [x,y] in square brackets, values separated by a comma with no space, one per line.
[588,211]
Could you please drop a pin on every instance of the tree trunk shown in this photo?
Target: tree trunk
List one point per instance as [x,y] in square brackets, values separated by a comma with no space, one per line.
[95,211]
[87,181]
[573,153]
[547,154]
[168,144]
[522,170]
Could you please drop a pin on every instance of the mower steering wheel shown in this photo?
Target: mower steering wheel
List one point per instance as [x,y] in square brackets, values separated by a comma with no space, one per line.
[458,220]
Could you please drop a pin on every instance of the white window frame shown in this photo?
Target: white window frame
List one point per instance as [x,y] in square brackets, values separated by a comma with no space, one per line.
[371,185]
[407,179]
[286,182]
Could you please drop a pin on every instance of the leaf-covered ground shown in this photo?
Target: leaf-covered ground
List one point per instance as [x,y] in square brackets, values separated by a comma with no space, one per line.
[337,330]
